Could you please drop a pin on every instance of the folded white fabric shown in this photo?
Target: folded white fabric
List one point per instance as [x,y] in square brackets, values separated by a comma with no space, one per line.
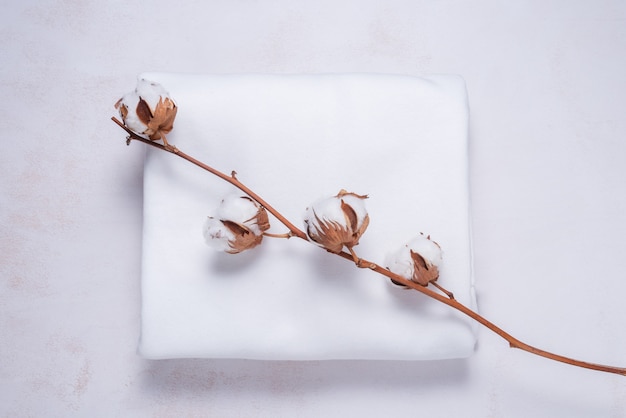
[293,139]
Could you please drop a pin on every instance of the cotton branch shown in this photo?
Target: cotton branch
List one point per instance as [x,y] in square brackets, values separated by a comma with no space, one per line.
[232,178]
[359,262]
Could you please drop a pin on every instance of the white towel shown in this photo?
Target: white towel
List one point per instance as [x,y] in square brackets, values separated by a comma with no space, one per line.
[293,139]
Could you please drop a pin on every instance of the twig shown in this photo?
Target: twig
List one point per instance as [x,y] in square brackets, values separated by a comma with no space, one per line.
[232,178]
[362,263]
[513,342]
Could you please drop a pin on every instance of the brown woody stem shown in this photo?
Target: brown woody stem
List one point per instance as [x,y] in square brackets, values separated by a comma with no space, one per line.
[444,290]
[232,179]
[351,256]
[270,235]
[513,342]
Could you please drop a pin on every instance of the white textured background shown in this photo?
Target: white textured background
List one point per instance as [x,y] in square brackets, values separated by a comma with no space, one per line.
[547,90]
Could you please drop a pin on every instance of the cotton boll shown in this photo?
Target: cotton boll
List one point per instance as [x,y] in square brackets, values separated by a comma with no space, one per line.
[418,261]
[148,110]
[238,225]
[337,221]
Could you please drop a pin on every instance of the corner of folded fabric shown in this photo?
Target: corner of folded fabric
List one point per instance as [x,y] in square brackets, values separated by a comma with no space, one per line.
[145,352]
